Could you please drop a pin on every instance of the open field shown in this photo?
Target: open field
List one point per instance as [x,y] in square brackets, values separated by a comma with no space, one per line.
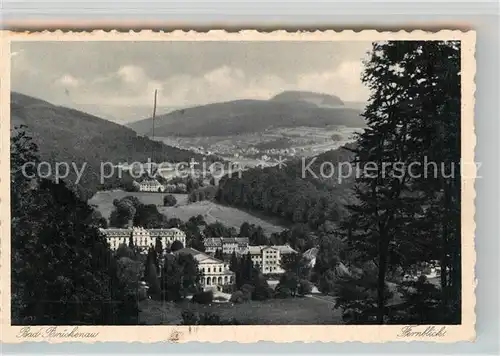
[210,211]
[213,212]
[314,310]
[104,199]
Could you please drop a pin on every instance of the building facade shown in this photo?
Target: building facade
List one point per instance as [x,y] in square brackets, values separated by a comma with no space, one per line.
[268,258]
[227,245]
[214,272]
[149,185]
[143,238]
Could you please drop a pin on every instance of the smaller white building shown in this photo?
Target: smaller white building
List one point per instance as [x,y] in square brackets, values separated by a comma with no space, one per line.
[149,185]
[227,245]
[214,272]
[268,258]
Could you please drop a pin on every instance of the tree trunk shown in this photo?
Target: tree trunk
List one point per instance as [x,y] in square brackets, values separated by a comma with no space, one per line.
[382,263]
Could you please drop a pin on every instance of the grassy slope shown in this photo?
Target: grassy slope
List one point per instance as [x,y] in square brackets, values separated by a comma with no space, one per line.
[211,211]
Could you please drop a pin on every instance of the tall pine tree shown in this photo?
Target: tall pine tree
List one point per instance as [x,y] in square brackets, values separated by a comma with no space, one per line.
[415,99]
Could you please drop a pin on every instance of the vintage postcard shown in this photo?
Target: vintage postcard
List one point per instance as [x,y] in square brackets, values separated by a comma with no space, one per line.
[250,186]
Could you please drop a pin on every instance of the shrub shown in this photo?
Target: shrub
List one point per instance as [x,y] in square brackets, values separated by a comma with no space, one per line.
[282,292]
[237,297]
[215,319]
[247,290]
[203,297]
[305,287]
[176,245]
[191,318]
[169,200]
[228,288]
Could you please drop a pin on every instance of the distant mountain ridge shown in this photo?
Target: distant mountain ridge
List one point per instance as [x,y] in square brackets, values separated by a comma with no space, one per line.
[317,99]
[67,135]
[288,109]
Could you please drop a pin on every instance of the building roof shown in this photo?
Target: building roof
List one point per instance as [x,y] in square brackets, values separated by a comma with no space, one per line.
[213,242]
[235,240]
[198,256]
[150,182]
[140,230]
[257,250]
[219,241]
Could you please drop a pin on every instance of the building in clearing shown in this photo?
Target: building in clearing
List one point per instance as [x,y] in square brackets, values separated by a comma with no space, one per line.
[215,273]
[143,238]
[268,258]
[149,185]
[227,245]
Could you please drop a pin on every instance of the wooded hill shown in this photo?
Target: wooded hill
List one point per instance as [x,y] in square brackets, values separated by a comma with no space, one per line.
[67,135]
[289,109]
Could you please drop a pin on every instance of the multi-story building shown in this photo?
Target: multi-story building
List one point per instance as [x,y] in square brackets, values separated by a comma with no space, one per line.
[268,258]
[214,272]
[149,185]
[227,245]
[143,238]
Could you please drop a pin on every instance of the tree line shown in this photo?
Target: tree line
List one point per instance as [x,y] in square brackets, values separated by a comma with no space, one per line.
[400,221]
[62,269]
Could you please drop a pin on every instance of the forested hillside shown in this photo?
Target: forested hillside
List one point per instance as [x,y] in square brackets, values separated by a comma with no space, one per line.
[293,192]
[66,135]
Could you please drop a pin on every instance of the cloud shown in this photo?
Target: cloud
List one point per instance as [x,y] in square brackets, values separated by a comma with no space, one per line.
[131,74]
[124,75]
[68,81]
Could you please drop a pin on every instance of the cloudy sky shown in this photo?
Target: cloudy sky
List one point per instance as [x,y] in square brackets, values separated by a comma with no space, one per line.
[116,80]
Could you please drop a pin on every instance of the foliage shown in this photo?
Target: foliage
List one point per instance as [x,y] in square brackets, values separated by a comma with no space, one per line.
[421,304]
[233,263]
[219,255]
[191,318]
[297,264]
[176,245]
[62,270]
[74,137]
[413,117]
[237,297]
[180,276]
[203,193]
[289,281]
[218,229]
[300,237]
[124,251]
[289,194]
[148,217]
[130,273]
[169,200]
[305,287]
[203,297]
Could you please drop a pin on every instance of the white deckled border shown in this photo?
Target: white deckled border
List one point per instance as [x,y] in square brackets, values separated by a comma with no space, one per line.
[243,333]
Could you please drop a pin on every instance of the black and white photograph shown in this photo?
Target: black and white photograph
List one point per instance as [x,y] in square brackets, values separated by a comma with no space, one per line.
[237,183]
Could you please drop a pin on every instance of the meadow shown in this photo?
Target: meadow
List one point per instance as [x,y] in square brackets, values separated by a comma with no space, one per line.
[312,310]
[183,210]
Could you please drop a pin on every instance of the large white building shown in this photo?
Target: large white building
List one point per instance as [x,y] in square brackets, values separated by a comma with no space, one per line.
[227,245]
[149,185]
[268,258]
[215,273]
[143,238]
